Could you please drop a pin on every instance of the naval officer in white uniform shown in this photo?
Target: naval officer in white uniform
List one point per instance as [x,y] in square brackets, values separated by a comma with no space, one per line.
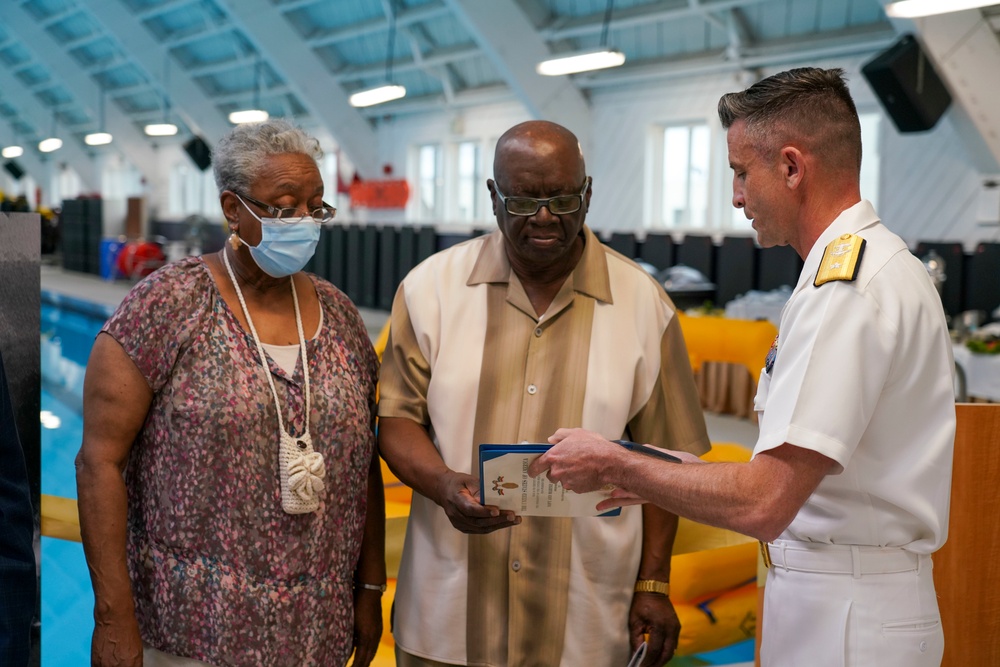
[850,480]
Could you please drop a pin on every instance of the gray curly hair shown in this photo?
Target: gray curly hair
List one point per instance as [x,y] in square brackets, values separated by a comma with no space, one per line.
[239,156]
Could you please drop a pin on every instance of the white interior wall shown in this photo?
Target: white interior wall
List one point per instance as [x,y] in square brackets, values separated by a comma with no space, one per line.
[399,137]
[929,185]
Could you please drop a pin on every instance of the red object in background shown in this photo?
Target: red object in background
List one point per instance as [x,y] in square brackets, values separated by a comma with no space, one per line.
[137,259]
[392,193]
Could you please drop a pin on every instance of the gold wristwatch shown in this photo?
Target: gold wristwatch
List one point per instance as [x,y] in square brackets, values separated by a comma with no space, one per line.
[652,586]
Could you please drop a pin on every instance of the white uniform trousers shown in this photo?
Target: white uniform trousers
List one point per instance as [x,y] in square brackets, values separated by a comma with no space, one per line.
[843,606]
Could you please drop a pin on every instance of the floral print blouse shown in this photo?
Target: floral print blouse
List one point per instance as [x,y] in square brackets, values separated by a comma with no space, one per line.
[219,571]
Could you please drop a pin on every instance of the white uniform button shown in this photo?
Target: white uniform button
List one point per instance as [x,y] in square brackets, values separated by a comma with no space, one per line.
[516,566]
[538,332]
[532,389]
[923,647]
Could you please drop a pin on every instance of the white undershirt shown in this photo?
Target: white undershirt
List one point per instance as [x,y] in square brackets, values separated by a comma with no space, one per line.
[286,356]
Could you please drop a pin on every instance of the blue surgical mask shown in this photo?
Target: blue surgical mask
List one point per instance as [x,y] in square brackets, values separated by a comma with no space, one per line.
[285,247]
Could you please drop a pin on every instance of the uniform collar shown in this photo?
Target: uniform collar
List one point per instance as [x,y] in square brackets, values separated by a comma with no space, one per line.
[850,221]
[590,276]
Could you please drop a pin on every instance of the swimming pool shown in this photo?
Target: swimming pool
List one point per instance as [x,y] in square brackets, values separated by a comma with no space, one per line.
[67,333]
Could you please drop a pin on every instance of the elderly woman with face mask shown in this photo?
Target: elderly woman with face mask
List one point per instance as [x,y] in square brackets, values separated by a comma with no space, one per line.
[236,393]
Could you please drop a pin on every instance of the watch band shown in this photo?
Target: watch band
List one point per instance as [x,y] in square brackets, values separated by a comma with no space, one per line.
[371,587]
[652,586]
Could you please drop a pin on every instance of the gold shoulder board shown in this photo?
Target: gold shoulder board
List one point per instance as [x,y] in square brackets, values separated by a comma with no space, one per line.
[841,259]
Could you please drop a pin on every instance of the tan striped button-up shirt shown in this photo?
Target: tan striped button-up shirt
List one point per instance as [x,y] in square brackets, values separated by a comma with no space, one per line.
[469,358]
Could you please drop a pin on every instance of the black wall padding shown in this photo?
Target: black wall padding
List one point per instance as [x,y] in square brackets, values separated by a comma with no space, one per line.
[658,250]
[777,266]
[983,283]
[199,152]
[624,242]
[369,267]
[353,271]
[905,82]
[336,261]
[406,253]
[697,252]
[387,265]
[426,243]
[734,267]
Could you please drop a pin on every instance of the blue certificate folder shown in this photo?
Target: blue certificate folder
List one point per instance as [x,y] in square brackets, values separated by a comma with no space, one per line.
[514,490]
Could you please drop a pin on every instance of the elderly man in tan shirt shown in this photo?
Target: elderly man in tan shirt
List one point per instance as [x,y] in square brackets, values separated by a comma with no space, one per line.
[503,339]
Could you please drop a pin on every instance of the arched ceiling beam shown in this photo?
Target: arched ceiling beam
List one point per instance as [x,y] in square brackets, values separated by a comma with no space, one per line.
[640,15]
[187,100]
[265,25]
[30,107]
[404,19]
[430,59]
[159,10]
[45,48]
[515,47]
[775,53]
[499,94]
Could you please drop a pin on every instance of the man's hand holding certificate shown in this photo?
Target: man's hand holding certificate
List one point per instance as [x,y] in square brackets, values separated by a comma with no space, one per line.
[504,482]
[583,461]
[509,479]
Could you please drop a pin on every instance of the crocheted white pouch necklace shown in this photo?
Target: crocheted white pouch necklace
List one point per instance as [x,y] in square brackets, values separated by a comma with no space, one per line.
[300,468]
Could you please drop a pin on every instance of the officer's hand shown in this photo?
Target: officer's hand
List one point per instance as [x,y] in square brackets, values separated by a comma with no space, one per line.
[458,495]
[653,615]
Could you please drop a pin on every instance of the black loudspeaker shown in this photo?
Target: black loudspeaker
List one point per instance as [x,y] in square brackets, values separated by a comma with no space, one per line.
[199,152]
[14,169]
[910,90]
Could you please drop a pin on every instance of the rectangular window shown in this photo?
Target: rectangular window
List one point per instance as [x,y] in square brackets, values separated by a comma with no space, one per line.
[470,185]
[429,180]
[685,176]
[870,156]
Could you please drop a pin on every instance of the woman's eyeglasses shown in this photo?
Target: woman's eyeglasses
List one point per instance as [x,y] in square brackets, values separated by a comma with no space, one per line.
[321,215]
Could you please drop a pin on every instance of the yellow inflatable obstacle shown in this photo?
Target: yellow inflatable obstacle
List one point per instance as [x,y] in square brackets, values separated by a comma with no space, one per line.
[713,575]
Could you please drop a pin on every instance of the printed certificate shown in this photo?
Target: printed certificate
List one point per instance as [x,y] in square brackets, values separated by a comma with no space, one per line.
[504,482]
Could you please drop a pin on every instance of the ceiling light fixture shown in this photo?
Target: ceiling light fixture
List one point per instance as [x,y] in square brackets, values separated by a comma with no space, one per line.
[53,143]
[256,114]
[166,128]
[11,151]
[388,91]
[99,138]
[373,96]
[585,61]
[910,9]
[50,144]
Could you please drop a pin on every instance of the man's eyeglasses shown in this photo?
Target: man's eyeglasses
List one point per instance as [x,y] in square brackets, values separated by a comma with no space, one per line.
[561,205]
[321,215]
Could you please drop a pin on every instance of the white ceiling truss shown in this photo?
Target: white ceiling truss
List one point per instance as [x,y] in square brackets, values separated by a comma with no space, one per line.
[198,59]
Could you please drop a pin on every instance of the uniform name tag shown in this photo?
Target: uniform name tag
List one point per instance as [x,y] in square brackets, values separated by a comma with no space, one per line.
[841,259]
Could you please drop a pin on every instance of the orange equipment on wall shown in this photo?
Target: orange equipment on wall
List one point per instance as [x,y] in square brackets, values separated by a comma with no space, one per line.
[386,193]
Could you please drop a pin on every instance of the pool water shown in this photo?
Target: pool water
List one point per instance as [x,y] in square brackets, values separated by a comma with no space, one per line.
[67,598]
